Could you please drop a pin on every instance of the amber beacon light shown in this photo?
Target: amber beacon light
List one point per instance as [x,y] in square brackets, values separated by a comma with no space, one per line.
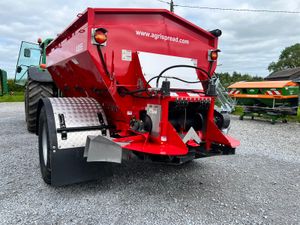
[100,36]
[213,55]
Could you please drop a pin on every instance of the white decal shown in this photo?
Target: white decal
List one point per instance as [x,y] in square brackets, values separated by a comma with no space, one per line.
[75,61]
[126,55]
[79,47]
[153,110]
[193,94]
[163,37]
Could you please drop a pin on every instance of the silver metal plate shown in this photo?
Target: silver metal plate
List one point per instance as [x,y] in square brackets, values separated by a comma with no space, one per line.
[154,111]
[78,112]
[102,149]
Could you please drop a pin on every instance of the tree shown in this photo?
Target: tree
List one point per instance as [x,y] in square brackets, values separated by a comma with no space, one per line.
[289,58]
[12,86]
[226,79]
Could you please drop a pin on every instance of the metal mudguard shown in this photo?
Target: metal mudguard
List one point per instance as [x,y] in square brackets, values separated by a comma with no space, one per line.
[68,163]
[77,113]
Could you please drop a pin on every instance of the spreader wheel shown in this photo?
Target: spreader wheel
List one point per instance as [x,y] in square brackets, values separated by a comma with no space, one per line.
[44,147]
[34,91]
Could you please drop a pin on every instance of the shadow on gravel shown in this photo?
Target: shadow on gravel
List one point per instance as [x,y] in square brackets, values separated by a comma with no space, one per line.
[147,179]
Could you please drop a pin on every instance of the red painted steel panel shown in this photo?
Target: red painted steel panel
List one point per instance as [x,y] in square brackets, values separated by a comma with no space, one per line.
[75,66]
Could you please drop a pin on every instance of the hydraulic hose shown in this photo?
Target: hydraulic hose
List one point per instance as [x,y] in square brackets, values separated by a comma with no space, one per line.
[177,66]
[103,61]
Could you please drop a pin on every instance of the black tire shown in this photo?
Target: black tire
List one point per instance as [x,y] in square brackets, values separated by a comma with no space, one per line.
[222,120]
[34,91]
[44,147]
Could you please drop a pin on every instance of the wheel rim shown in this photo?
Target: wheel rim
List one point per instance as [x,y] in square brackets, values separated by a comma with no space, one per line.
[45,145]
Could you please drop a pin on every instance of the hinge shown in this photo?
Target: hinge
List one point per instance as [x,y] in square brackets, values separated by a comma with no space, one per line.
[62,124]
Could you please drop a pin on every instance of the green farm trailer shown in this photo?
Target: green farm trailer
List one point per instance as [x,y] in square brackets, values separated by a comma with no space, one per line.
[272,99]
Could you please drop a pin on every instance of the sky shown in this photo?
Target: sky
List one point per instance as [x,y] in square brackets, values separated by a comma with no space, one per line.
[249,43]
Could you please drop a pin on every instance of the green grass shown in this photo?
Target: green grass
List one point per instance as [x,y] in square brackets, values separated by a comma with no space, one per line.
[17,97]
[297,118]
[238,110]
[293,118]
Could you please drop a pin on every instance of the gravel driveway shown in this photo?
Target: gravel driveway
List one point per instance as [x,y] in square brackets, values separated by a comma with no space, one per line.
[258,185]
